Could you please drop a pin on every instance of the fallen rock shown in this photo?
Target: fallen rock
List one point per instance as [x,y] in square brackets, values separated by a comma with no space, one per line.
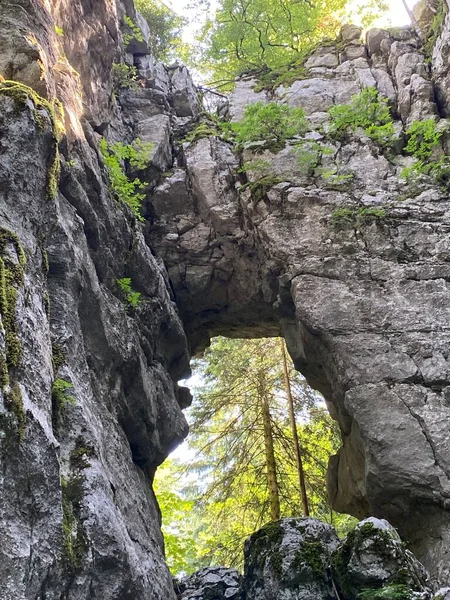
[373,557]
[211,583]
[288,559]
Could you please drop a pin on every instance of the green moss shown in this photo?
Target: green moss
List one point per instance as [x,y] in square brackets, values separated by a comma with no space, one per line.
[209,126]
[311,553]
[435,28]
[389,592]
[343,218]
[80,455]
[61,400]
[59,356]
[267,538]
[75,544]
[14,403]
[260,187]
[22,96]
[11,279]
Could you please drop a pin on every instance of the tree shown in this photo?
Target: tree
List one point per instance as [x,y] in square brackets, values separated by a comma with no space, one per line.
[165,28]
[245,465]
[256,34]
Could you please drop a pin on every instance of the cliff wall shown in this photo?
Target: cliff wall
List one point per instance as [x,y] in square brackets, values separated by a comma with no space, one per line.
[90,402]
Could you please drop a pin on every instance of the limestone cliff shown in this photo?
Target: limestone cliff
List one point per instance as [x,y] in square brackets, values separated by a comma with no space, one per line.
[90,402]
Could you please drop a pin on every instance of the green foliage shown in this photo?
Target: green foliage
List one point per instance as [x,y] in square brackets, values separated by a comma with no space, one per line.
[367,110]
[132,32]
[389,592]
[75,544]
[433,31]
[166,28]
[261,34]
[12,270]
[271,122]
[61,400]
[14,403]
[59,31]
[123,77]
[227,477]
[270,79]
[138,156]
[424,144]
[177,520]
[423,138]
[342,218]
[131,297]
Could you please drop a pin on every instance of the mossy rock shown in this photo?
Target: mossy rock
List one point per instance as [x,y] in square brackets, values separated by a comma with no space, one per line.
[44,113]
[289,559]
[373,559]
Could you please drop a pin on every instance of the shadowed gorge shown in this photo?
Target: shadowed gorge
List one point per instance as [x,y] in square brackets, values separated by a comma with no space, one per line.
[119,259]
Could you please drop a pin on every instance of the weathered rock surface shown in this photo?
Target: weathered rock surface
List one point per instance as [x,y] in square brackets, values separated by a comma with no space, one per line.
[373,557]
[288,560]
[211,583]
[364,307]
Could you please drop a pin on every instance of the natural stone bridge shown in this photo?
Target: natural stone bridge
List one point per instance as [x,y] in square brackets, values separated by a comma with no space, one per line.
[363,303]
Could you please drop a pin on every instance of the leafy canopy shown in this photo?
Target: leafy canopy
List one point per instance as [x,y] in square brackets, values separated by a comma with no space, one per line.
[246,35]
[165,28]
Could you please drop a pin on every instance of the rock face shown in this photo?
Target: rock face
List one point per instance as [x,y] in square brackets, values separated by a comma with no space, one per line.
[288,560]
[211,583]
[89,400]
[303,559]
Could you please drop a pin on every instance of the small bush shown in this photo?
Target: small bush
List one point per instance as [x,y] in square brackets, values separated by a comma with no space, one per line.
[116,157]
[123,77]
[272,122]
[424,140]
[368,111]
[131,297]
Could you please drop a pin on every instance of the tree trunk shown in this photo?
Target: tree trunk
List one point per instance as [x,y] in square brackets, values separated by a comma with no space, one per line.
[413,19]
[298,456]
[272,481]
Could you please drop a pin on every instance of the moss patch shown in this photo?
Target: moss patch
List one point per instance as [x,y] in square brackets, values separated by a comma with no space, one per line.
[61,400]
[22,96]
[11,279]
[343,218]
[75,544]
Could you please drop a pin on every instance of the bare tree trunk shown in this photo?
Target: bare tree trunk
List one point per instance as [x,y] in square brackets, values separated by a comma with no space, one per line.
[272,481]
[298,456]
[413,19]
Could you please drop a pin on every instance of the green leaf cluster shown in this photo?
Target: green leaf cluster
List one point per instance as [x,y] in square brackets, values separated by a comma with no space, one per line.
[367,110]
[424,144]
[166,27]
[123,76]
[342,218]
[136,155]
[131,296]
[133,32]
[256,34]
[272,122]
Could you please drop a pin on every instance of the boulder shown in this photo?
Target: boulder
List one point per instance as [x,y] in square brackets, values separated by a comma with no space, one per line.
[211,583]
[373,557]
[288,560]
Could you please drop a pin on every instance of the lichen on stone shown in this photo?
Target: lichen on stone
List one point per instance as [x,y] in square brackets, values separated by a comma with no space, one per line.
[23,96]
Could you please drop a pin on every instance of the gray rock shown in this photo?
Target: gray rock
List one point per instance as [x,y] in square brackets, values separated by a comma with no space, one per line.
[373,557]
[212,583]
[288,559]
